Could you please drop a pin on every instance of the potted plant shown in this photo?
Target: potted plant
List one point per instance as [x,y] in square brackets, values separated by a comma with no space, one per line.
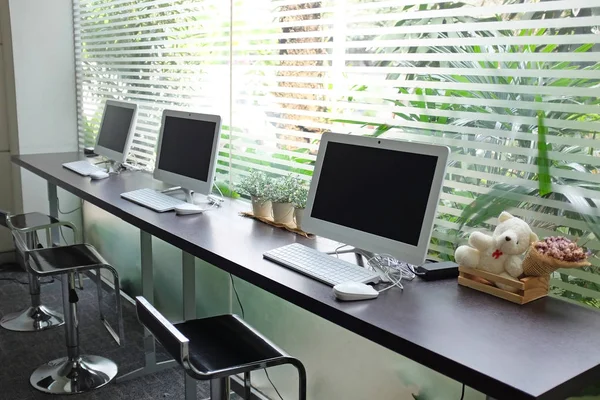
[281,192]
[299,200]
[255,185]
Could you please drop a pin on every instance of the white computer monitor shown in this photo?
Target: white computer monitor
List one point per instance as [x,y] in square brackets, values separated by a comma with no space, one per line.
[187,150]
[116,130]
[378,195]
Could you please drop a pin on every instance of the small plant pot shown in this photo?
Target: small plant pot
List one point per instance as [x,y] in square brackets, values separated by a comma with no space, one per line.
[261,207]
[283,213]
[298,215]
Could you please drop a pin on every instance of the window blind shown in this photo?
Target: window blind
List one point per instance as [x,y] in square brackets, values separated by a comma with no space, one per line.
[158,54]
[479,76]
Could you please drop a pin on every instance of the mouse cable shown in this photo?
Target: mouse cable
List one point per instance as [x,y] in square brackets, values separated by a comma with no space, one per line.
[338,248]
[384,263]
[462,396]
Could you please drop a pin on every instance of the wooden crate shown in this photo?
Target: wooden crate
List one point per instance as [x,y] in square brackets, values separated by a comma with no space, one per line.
[529,288]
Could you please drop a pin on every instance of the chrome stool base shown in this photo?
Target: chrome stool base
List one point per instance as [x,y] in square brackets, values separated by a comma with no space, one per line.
[32,319]
[65,376]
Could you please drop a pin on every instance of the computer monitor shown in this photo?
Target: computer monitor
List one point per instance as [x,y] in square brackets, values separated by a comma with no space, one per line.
[187,150]
[375,194]
[116,130]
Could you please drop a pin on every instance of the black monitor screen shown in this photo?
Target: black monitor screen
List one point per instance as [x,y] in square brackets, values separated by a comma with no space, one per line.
[115,128]
[379,191]
[187,147]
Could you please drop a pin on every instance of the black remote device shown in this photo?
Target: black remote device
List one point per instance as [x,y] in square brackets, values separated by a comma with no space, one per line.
[437,270]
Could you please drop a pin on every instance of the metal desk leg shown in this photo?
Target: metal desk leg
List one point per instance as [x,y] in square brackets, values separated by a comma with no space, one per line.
[188,263]
[150,364]
[189,286]
[53,209]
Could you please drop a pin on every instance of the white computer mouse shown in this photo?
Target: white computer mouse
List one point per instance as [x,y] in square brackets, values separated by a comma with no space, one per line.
[352,291]
[99,175]
[188,209]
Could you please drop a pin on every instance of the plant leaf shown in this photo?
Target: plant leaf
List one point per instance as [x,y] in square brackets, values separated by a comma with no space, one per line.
[543,163]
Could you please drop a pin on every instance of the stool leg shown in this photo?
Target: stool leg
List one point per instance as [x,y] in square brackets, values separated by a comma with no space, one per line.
[190,387]
[70,300]
[247,386]
[219,389]
[120,337]
[36,317]
[301,380]
[75,373]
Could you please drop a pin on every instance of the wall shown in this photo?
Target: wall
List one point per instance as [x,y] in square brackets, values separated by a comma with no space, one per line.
[45,118]
[6,192]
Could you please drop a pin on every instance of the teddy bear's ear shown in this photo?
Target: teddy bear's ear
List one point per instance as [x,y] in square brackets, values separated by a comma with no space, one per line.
[504,216]
[533,238]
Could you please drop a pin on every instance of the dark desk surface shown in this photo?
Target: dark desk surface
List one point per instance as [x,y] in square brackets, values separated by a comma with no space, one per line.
[548,349]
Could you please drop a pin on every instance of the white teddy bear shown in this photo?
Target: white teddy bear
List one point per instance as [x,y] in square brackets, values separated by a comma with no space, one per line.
[499,253]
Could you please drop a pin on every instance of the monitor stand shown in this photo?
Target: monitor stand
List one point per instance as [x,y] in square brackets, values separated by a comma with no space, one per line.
[361,257]
[112,167]
[359,253]
[189,195]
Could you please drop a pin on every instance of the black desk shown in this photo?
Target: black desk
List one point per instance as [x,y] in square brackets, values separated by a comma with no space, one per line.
[548,349]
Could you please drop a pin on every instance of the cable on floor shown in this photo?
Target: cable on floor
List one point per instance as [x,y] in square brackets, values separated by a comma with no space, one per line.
[462,396]
[8,266]
[14,267]
[27,283]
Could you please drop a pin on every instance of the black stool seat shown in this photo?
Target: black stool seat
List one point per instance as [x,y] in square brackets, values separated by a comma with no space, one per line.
[224,342]
[216,348]
[61,259]
[32,220]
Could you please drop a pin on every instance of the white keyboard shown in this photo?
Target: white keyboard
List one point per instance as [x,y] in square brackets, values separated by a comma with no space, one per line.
[83,168]
[320,266]
[152,199]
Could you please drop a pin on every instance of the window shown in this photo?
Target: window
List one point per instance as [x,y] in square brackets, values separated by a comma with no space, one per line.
[158,54]
[480,76]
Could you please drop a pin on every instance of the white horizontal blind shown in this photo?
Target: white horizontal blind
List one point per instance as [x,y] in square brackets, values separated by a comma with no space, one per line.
[158,54]
[472,75]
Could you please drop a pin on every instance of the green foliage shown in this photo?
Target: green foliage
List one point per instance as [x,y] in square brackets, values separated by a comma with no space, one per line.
[283,189]
[256,184]
[227,190]
[300,195]
[481,106]
[543,162]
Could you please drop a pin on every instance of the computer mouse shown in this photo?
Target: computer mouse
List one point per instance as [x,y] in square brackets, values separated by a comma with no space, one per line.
[187,209]
[99,175]
[352,291]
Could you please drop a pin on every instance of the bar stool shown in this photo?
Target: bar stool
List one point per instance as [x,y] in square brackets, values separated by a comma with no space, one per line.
[75,373]
[216,348]
[37,317]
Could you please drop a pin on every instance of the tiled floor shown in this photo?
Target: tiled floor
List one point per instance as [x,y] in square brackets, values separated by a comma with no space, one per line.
[21,353]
